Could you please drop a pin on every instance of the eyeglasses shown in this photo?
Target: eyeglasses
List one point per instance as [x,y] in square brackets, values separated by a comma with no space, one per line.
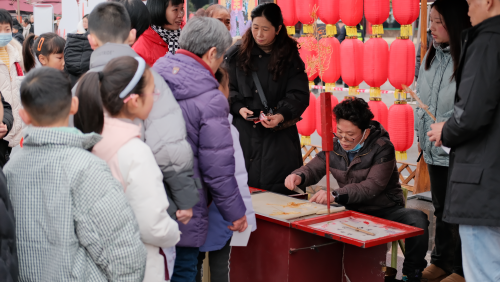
[340,137]
[156,96]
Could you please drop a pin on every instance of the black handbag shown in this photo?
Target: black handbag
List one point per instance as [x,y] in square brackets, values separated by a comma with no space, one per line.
[269,111]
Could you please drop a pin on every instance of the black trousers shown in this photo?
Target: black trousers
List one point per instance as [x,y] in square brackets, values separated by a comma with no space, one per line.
[447,252]
[218,262]
[416,247]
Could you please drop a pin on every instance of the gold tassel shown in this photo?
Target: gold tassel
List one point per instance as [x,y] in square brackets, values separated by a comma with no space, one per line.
[375,92]
[377,29]
[290,30]
[400,92]
[308,28]
[401,156]
[311,84]
[329,87]
[351,31]
[331,30]
[353,90]
[406,30]
[305,141]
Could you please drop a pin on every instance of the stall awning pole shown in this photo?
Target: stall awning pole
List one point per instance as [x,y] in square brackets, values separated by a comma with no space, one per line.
[423,30]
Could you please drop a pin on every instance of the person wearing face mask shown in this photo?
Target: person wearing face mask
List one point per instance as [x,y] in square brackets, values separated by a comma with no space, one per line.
[363,162]
[163,35]
[436,88]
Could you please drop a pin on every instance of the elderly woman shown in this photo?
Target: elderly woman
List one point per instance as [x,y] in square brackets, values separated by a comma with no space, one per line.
[268,56]
[190,75]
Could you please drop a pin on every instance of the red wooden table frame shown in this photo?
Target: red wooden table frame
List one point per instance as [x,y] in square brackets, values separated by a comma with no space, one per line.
[409,231]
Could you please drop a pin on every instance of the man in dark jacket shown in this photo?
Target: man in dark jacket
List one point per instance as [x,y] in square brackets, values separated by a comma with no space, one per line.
[8,250]
[77,54]
[17,33]
[473,132]
[364,164]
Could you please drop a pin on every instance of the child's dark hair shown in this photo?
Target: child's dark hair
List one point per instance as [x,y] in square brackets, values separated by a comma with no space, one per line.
[110,22]
[45,44]
[46,95]
[5,17]
[355,110]
[100,90]
[222,75]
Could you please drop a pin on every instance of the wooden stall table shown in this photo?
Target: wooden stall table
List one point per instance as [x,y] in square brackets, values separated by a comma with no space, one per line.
[293,243]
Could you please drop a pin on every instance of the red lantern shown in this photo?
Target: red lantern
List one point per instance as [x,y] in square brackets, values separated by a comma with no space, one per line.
[308,52]
[401,128]
[331,66]
[307,125]
[289,15]
[377,12]
[351,13]
[376,65]
[405,13]
[335,102]
[328,13]
[351,63]
[380,111]
[304,10]
[401,65]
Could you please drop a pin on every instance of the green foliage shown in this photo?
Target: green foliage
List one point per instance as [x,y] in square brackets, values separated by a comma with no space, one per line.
[191,6]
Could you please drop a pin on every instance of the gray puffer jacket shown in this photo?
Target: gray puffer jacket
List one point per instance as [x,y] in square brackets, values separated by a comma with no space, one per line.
[436,90]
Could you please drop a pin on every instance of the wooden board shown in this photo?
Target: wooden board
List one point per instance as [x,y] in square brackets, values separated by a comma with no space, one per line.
[284,207]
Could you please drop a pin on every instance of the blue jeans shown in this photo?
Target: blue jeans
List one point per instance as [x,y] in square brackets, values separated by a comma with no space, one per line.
[186,262]
[481,253]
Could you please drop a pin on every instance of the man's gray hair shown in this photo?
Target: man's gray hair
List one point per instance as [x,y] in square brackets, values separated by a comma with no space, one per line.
[202,33]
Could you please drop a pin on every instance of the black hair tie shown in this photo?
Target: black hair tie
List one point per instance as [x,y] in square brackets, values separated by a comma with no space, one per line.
[101,75]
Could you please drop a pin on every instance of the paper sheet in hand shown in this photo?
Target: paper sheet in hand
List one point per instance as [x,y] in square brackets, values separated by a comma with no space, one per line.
[240,239]
[446,149]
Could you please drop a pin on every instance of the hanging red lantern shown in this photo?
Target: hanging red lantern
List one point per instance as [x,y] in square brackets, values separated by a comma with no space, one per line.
[335,102]
[380,111]
[304,9]
[289,15]
[351,14]
[308,52]
[401,128]
[331,65]
[328,13]
[351,63]
[401,65]
[307,125]
[377,12]
[405,13]
[376,67]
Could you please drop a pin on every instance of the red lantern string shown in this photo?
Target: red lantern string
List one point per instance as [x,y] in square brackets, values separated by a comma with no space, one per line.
[377,12]
[307,125]
[328,12]
[351,13]
[380,111]
[376,67]
[401,128]
[303,10]
[351,63]
[405,13]
[289,15]
[401,65]
[335,102]
[331,62]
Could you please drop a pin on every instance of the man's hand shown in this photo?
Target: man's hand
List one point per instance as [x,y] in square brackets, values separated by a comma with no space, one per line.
[244,112]
[273,121]
[3,130]
[435,133]
[292,180]
[239,225]
[184,216]
[321,198]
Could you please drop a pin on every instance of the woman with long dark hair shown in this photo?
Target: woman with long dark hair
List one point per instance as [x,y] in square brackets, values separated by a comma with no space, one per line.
[437,88]
[267,76]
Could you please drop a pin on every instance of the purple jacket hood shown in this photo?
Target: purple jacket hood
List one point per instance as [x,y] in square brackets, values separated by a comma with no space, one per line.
[205,110]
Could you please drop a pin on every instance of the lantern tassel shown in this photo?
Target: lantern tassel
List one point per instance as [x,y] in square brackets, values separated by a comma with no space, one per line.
[305,141]
[308,28]
[377,29]
[351,31]
[311,84]
[353,90]
[406,30]
[375,92]
[290,30]
[400,92]
[331,30]
[329,86]
[401,156]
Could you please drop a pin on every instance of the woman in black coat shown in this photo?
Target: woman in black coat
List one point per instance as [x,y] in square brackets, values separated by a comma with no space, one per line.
[272,147]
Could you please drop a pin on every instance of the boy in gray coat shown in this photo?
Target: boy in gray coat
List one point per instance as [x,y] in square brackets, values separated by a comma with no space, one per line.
[73,221]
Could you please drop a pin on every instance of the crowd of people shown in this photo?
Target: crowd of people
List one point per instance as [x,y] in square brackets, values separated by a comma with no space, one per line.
[128,148]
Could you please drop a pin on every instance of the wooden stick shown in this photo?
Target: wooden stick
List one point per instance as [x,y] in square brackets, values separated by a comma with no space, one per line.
[358,229]
[422,105]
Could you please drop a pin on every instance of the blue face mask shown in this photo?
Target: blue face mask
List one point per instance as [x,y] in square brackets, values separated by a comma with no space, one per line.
[357,147]
[5,38]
